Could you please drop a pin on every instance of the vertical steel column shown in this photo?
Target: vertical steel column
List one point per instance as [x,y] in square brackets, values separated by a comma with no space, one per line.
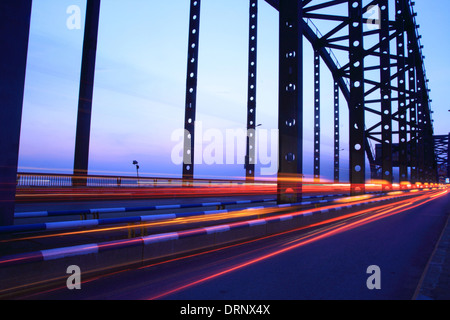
[448,157]
[421,103]
[430,157]
[412,109]
[316,116]
[414,126]
[336,133]
[385,91]
[356,103]
[290,108]
[81,158]
[14,34]
[400,7]
[191,91]
[250,159]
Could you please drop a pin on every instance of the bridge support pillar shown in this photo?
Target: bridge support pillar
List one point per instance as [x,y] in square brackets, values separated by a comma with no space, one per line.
[448,157]
[386,95]
[337,145]
[421,115]
[412,109]
[316,116]
[290,107]
[14,35]
[82,140]
[250,159]
[356,103]
[191,91]
[400,6]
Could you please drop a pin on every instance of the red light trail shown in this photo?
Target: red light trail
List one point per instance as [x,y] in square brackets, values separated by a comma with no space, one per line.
[327,232]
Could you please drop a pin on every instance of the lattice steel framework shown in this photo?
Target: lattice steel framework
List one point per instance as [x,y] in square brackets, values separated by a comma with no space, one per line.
[442,149]
[377,82]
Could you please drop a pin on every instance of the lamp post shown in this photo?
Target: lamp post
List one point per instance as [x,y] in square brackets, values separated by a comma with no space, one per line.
[137,170]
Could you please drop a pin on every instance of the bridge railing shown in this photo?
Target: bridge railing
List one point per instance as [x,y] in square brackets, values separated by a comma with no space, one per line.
[48,180]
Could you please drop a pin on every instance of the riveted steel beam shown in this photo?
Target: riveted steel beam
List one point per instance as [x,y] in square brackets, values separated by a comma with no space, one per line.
[250,159]
[400,8]
[290,107]
[336,133]
[316,116]
[413,155]
[385,92]
[83,132]
[14,34]
[356,103]
[191,91]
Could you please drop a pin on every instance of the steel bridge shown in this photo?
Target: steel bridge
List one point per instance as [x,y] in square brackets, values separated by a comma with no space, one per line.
[380,72]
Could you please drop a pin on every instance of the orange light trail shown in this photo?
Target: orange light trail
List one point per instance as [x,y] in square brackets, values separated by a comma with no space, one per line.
[245,213]
[333,230]
[312,237]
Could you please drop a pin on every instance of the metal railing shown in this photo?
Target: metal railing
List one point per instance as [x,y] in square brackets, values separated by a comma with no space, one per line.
[47,180]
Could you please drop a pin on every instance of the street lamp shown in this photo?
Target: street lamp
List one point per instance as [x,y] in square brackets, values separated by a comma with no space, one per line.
[137,170]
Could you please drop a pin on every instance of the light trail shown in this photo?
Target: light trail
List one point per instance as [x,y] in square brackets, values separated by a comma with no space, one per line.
[217,217]
[343,224]
[244,213]
[322,234]
[213,217]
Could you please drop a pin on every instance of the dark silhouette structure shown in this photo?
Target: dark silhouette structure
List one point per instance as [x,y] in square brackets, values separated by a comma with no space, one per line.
[383,74]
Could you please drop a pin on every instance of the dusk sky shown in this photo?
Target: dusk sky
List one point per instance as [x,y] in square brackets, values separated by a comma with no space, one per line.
[139,93]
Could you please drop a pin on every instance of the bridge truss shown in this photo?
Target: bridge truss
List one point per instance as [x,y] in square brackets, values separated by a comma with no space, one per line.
[380,73]
[442,150]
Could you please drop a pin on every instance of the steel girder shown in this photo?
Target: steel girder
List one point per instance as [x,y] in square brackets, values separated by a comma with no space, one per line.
[290,106]
[347,35]
[191,91]
[316,116]
[385,95]
[250,158]
[14,33]
[356,105]
[336,134]
[442,149]
[83,131]
[408,125]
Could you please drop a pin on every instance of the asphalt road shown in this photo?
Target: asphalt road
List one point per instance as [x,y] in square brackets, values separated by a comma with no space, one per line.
[328,262]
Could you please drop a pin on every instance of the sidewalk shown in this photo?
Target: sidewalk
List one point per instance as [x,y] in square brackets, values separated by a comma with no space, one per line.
[436,283]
